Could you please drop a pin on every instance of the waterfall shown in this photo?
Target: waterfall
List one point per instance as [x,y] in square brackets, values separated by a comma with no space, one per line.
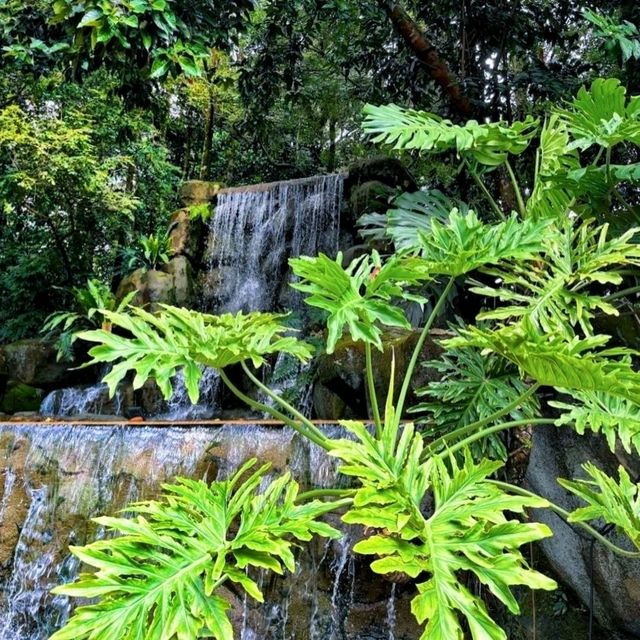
[179,407]
[76,401]
[58,477]
[55,478]
[255,230]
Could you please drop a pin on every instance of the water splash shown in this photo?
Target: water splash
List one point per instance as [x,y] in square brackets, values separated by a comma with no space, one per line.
[391,613]
[75,401]
[179,407]
[254,231]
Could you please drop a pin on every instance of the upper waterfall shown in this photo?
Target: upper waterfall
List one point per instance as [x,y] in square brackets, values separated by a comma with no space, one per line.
[256,229]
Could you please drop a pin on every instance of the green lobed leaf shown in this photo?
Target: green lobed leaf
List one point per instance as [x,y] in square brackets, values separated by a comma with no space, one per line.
[615,502]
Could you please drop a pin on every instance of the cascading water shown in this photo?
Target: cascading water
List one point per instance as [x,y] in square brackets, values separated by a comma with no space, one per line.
[76,401]
[179,407]
[57,477]
[255,230]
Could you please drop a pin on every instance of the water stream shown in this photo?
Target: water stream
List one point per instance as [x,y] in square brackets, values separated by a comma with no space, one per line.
[55,478]
[253,233]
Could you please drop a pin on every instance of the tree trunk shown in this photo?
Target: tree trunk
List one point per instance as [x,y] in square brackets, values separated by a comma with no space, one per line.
[427,54]
[208,138]
[331,160]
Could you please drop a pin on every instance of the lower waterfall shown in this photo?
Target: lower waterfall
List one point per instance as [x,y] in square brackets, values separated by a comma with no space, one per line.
[54,479]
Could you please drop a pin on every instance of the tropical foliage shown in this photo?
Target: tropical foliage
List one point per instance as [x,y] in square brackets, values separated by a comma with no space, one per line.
[92,302]
[528,201]
[432,507]
[160,576]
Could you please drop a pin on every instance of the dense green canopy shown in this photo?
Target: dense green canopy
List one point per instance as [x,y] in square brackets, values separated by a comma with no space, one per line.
[105,106]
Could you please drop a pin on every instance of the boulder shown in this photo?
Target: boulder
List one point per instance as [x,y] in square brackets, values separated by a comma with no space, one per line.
[132,282]
[389,171]
[187,235]
[198,191]
[560,453]
[33,362]
[20,397]
[369,197]
[173,284]
[341,389]
[179,269]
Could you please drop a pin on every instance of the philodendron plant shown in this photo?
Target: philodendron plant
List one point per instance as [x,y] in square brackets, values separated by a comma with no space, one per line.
[554,265]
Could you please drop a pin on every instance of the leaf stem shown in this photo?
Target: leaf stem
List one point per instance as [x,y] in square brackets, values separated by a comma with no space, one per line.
[476,178]
[565,515]
[496,429]
[259,406]
[418,348]
[516,188]
[326,493]
[622,293]
[474,426]
[373,398]
[313,433]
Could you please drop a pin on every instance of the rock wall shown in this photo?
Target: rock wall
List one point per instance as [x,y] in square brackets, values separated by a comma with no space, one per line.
[559,453]
[53,479]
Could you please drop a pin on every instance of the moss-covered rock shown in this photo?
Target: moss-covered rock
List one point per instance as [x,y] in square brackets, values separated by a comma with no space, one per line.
[20,397]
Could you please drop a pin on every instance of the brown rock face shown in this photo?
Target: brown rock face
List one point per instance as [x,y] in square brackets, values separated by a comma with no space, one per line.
[198,191]
[187,235]
[341,390]
[172,285]
[559,453]
[33,362]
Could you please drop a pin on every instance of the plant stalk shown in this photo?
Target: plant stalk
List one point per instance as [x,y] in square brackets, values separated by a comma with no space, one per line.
[326,493]
[418,348]
[622,293]
[254,404]
[481,185]
[516,187]
[313,433]
[372,390]
[565,515]
[474,426]
[495,429]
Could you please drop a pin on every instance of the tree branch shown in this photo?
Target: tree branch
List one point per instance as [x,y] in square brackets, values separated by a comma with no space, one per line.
[426,52]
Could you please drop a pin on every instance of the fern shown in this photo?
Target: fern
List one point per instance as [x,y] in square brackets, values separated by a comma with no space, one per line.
[471,387]
[181,338]
[616,503]
[553,292]
[358,297]
[488,144]
[614,417]
[91,302]
[158,578]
